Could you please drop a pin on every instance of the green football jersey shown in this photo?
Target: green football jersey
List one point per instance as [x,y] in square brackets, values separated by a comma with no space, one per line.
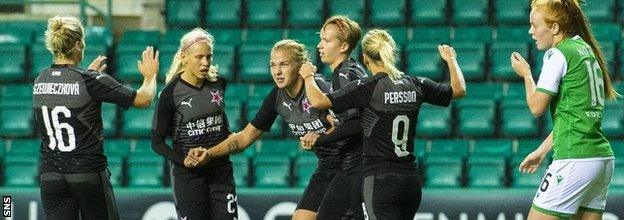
[572,76]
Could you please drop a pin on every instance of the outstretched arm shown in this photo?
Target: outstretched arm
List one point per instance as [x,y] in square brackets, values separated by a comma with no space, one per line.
[458,83]
[234,144]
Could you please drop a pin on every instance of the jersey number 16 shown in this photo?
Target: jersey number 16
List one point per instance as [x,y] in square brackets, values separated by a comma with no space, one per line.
[54,128]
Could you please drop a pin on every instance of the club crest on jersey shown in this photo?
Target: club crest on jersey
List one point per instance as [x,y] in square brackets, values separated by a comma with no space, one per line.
[305,105]
[56,73]
[187,103]
[216,97]
[287,106]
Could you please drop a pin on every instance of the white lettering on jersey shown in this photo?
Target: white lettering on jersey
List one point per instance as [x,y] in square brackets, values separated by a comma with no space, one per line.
[400,97]
[56,88]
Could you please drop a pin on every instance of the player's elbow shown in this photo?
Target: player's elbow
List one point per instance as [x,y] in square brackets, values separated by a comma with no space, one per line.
[141,103]
[537,111]
[459,93]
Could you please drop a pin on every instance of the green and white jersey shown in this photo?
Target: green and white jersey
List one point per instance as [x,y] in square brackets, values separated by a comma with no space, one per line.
[572,76]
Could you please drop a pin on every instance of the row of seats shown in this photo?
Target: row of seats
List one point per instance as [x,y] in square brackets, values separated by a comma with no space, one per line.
[280,163]
[489,110]
[301,13]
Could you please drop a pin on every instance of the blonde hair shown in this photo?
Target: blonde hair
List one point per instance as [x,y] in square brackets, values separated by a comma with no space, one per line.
[62,35]
[348,30]
[572,21]
[190,38]
[297,51]
[378,45]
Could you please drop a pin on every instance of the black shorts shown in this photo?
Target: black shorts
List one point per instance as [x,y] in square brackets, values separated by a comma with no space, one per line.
[313,194]
[204,194]
[343,199]
[391,195]
[70,195]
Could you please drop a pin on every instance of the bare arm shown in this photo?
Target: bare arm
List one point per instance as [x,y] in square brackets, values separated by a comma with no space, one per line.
[148,66]
[537,101]
[532,161]
[235,143]
[316,97]
[458,84]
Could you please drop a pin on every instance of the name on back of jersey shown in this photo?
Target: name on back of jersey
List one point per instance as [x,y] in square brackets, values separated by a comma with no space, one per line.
[56,89]
[400,97]
[205,125]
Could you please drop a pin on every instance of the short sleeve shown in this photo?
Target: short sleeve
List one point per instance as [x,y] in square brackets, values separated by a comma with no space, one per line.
[435,93]
[105,88]
[553,69]
[266,115]
[354,95]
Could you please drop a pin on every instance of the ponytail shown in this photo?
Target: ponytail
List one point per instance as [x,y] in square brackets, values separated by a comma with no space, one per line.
[379,46]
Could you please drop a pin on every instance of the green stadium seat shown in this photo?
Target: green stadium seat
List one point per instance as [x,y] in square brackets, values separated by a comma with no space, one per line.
[496,148]
[434,121]
[233,111]
[126,56]
[272,171]
[443,171]
[24,147]
[281,147]
[229,36]
[117,147]
[420,148]
[266,36]
[512,12]
[182,13]
[109,119]
[547,122]
[115,167]
[225,60]
[428,12]
[305,165]
[173,36]
[599,10]
[137,122]
[236,92]
[538,60]
[501,67]
[143,147]
[354,9]
[41,60]
[608,51]
[3,147]
[433,35]
[617,180]
[526,180]
[476,117]
[488,90]
[254,63]
[449,147]
[16,95]
[140,37]
[618,147]
[526,146]
[472,34]
[240,165]
[308,36]
[399,34]
[514,90]
[305,13]
[423,60]
[217,16]
[517,120]
[166,55]
[264,13]
[17,35]
[470,12]
[16,121]
[145,171]
[96,35]
[512,34]
[486,171]
[607,32]
[471,58]
[92,51]
[387,12]
[12,62]
[613,120]
[21,170]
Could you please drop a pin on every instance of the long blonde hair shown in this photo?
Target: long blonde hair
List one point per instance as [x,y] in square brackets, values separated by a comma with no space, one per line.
[62,35]
[190,38]
[572,21]
[379,46]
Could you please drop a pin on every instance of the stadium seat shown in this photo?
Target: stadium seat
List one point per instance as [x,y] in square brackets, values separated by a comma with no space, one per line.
[137,122]
[354,9]
[434,121]
[512,12]
[224,58]
[617,180]
[443,171]
[517,120]
[618,147]
[607,31]
[265,36]
[526,180]
[471,58]
[12,62]
[145,171]
[166,53]
[599,10]
[449,147]
[305,13]
[472,34]
[233,111]
[487,90]
[486,171]
[227,36]
[24,147]
[282,147]
[109,119]
[254,63]
[16,35]
[236,92]
[3,147]
[240,165]
[115,167]
[127,70]
[613,120]
[420,148]
[476,118]
[538,60]
[433,35]
[18,94]
[21,170]
[512,34]
[305,166]
[424,60]
[93,51]
[264,13]
[500,53]
[400,36]
[173,36]
[428,12]
[496,148]
[526,146]
[183,13]
[387,12]
[272,171]
[41,60]
[308,36]
[140,37]
[217,16]
[117,147]
[98,35]
[470,12]
[16,121]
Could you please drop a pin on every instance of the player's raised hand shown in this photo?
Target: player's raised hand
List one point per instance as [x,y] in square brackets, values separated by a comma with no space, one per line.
[531,162]
[447,53]
[148,65]
[520,65]
[98,64]
[307,69]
